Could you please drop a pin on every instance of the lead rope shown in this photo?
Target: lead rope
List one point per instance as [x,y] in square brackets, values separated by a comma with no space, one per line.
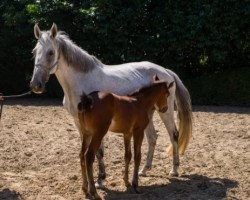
[2,98]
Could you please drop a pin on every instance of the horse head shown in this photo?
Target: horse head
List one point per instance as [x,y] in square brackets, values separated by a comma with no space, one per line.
[46,54]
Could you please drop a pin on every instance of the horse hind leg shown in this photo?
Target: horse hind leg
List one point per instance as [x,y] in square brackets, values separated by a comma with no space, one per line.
[101,166]
[151,140]
[168,120]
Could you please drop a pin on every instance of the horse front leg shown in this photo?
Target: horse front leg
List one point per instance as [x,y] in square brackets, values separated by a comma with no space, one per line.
[169,122]
[151,140]
[101,166]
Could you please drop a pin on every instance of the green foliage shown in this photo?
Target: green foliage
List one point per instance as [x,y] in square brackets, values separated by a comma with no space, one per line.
[231,87]
[198,39]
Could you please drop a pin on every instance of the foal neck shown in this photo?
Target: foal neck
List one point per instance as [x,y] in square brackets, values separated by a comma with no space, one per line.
[150,94]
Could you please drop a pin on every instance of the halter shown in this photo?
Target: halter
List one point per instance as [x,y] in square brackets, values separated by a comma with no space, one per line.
[52,67]
[55,65]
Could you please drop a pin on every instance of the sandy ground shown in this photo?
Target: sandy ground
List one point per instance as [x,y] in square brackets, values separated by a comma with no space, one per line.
[39,148]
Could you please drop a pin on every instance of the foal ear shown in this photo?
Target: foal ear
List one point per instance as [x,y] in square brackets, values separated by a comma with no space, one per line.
[37,31]
[155,78]
[80,107]
[89,102]
[85,104]
[171,84]
[53,31]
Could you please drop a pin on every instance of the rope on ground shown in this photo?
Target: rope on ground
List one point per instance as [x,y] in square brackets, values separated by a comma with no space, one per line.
[2,98]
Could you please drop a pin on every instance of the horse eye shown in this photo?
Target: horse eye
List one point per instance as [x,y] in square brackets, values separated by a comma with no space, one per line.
[50,53]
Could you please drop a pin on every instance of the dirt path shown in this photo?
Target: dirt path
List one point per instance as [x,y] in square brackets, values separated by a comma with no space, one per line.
[39,148]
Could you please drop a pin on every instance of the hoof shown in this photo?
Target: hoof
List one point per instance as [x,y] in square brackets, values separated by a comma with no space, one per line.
[97,197]
[135,189]
[87,196]
[99,185]
[127,184]
[94,196]
[173,174]
[142,173]
[144,170]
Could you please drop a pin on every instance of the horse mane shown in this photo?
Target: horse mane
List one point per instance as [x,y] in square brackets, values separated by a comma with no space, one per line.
[146,88]
[74,55]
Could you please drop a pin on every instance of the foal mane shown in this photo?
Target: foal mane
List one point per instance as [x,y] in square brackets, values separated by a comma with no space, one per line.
[143,90]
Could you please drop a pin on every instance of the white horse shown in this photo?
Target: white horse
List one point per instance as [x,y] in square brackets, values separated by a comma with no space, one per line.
[77,71]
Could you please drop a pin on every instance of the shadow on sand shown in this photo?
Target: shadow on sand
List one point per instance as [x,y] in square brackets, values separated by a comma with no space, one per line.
[186,187]
[37,100]
[222,109]
[7,194]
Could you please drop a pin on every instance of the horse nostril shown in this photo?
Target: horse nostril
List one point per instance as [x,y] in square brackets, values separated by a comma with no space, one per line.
[39,85]
[36,87]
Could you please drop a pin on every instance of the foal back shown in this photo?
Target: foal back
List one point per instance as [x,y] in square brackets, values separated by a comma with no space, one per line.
[107,111]
[122,113]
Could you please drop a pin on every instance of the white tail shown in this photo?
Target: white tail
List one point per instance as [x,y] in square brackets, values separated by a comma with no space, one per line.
[184,109]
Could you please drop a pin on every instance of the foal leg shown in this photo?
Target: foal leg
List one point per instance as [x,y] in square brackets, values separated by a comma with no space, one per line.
[101,166]
[85,143]
[151,139]
[168,120]
[89,159]
[128,155]
[138,138]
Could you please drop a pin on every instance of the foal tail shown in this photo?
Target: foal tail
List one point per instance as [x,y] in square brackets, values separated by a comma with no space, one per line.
[85,103]
[184,108]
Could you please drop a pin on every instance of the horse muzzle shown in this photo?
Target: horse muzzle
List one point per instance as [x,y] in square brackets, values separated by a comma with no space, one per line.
[37,88]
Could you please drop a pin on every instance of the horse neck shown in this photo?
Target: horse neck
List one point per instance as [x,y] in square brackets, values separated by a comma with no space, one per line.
[150,95]
[74,83]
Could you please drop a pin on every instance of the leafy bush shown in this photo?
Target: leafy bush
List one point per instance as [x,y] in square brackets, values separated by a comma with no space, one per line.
[231,87]
[197,39]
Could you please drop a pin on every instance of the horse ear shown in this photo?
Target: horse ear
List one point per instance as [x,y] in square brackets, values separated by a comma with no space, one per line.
[53,30]
[171,84]
[37,31]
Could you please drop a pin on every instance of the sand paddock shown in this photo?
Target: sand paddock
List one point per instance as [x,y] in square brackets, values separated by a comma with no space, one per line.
[39,148]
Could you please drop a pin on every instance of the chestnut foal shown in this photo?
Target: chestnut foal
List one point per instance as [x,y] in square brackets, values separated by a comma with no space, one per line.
[102,111]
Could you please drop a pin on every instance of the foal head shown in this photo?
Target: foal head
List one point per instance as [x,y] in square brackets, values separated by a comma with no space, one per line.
[155,93]
[163,93]
[85,104]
